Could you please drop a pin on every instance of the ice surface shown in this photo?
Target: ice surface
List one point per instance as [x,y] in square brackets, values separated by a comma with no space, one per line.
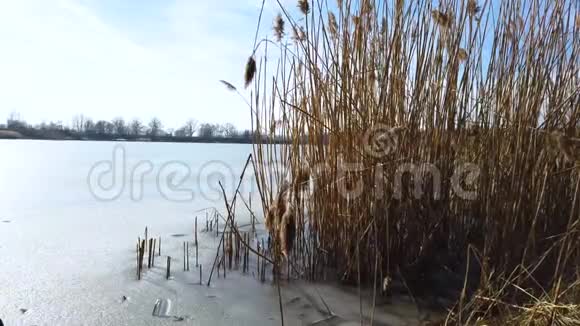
[70,259]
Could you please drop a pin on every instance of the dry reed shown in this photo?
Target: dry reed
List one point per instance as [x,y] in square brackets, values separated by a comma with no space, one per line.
[476,88]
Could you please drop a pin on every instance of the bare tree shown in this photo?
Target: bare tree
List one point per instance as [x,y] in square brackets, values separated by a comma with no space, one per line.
[188,130]
[14,121]
[229,130]
[136,127]
[78,123]
[190,127]
[89,126]
[208,130]
[14,116]
[109,128]
[119,126]
[104,127]
[155,127]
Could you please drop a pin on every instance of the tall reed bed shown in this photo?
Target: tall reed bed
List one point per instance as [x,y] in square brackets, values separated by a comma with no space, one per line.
[437,142]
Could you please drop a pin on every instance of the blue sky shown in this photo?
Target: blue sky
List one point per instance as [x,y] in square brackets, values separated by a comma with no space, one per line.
[132,58]
[129,58]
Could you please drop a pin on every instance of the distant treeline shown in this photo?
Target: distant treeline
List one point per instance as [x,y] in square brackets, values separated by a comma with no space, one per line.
[83,128]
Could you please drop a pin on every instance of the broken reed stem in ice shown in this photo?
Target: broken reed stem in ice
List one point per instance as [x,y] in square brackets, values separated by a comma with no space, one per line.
[153,253]
[138,251]
[223,254]
[140,258]
[229,217]
[246,252]
[168,272]
[146,235]
[235,248]
[245,243]
[142,253]
[150,253]
[160,246]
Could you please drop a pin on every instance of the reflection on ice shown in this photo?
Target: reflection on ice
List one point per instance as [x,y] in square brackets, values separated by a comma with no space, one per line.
[162,308]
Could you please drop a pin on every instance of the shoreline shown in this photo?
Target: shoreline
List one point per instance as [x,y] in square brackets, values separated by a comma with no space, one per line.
[194,140]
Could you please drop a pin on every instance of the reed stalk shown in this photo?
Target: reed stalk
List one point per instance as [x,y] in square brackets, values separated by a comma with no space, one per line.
[451,132]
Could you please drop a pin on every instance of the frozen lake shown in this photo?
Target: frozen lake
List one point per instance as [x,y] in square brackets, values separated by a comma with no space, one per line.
[66,241]
[70,215]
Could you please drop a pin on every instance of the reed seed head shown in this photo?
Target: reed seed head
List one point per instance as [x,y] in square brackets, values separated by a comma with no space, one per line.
[287,230]
[271,217]
[332,25]
[442,19]
[302,176]
[462,54]
[367,8]
[386,283]
[250,71]
[472,8]
[279,27]
[281,221]
[229,85]
[304,6]
[298,34]
[510,32]
[514,29]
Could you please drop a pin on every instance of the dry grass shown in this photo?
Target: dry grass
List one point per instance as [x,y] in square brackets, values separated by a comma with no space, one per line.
[465,83]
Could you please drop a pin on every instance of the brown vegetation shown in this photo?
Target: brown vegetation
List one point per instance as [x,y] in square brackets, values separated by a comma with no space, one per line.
[493,87]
